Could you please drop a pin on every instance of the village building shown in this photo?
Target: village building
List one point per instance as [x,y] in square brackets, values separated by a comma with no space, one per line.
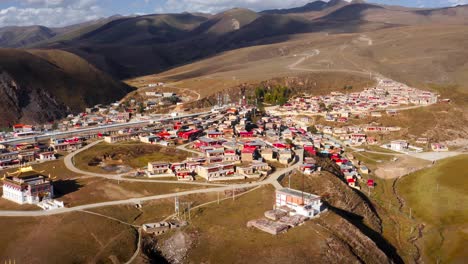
[158,168]
[44,156]
[214,172]
[300,203]
[27,186]
[118,138]
[399,145]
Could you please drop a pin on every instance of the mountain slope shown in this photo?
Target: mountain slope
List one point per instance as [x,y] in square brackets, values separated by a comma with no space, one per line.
[315,6]
[12,37]
[41,86]
[228,21]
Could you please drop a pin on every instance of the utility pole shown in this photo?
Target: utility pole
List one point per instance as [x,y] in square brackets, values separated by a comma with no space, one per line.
[218,197]
[410,213]
[289,181]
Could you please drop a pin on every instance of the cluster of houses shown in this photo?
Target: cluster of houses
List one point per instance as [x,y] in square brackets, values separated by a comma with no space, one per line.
[339,107]
[24,153]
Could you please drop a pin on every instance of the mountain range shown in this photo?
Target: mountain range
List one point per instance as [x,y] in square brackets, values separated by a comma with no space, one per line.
[120,47]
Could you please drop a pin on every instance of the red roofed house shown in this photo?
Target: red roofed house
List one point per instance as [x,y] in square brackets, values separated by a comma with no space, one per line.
[248,154]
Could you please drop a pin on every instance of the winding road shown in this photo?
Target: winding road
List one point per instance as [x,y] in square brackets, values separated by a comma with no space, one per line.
[271,179]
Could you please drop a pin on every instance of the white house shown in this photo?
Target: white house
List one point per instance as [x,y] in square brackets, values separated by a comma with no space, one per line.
[301,203]
[399,145]
[27,186]
[46,156]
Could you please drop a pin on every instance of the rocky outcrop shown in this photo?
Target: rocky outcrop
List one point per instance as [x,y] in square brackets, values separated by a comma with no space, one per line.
[42,86]
[346,235]
[28,105]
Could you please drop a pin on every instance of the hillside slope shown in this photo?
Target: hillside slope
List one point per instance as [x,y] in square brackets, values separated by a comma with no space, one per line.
[41,86]
[14,37]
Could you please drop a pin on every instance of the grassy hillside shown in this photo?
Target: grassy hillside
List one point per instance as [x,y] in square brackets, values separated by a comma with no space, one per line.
[12,37]
[438,198]
[39,86]
[100,240]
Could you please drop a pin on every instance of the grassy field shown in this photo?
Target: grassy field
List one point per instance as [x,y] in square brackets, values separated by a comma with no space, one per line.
[93,190]
[438,198]
[153,211]
[135,155]
[67,238]
[230,219]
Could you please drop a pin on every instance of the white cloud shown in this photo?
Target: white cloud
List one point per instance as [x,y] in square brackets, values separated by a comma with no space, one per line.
[212,6]
[458,2]
[51,13]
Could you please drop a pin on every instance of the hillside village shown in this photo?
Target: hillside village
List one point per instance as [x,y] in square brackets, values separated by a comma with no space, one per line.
[238,142]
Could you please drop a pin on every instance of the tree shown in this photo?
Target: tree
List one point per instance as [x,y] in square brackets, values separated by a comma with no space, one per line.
[322,106]
[312,129]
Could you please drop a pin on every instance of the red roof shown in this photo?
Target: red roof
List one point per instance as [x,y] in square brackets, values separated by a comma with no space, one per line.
[248,150]
[370,183]
[351,180]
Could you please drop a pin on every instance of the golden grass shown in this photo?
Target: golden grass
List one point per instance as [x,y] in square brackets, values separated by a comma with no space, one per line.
[67,238]
[437,197]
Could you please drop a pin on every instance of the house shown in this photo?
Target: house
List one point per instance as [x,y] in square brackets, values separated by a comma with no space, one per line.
[230,155]
[247,154]
[46,156]
[118,138]
[439,147]
[26,156]
[267,154]
[156,168]
[254,170]
[150,139]
[214,134]
[399,145]
[246,134]
[284,156]
[27,186]
[300,203]
[363,169]
[213,172]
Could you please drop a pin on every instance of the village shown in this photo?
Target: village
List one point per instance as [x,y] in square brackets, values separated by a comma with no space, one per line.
[231,143]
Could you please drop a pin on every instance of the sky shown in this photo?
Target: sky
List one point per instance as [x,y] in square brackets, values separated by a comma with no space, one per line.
[59,13]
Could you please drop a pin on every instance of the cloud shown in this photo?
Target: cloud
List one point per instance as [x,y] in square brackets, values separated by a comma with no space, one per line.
[51,13]
[458,2]
[212,6]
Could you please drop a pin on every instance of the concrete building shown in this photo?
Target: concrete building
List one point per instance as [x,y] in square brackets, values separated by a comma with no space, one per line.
[300,203]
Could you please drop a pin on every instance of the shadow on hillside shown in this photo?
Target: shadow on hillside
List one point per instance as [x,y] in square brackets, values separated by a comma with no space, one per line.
[379,240]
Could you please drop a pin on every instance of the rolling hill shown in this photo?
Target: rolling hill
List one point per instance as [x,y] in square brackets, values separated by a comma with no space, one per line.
[135,46]
[347,34]
[41,86]
[15,37]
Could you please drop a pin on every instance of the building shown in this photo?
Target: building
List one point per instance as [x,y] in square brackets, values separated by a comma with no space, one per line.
[300,203]
[215,172]
[158,167]
[399,145]
[118,138]
[27,186]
